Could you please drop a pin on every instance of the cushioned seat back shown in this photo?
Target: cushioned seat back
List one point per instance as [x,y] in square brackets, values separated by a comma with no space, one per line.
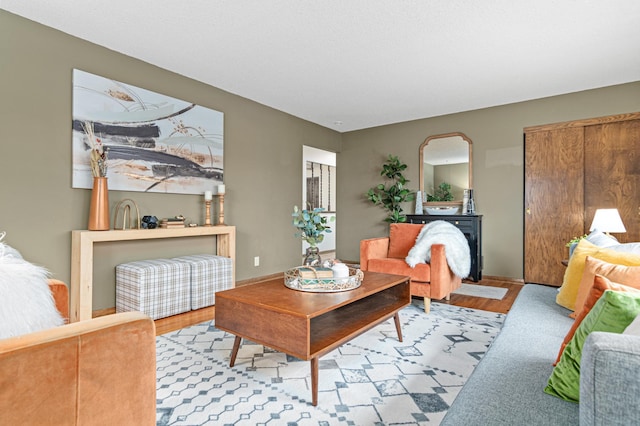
[402,237]
[421,273]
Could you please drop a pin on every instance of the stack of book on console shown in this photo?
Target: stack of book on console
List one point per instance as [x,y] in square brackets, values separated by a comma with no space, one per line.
[172,222]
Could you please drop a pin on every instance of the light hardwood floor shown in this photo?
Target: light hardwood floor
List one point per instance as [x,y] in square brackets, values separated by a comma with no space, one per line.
[513,288]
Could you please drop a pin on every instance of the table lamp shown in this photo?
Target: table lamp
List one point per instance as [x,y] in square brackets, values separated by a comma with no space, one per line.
[607,220]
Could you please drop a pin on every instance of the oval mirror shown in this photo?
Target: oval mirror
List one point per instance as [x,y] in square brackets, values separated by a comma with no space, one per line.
[445,159]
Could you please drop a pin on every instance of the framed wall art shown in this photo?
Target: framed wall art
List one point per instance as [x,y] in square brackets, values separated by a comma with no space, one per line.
[154,143]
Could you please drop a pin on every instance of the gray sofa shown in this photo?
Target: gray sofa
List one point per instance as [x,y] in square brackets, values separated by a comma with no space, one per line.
[506,388]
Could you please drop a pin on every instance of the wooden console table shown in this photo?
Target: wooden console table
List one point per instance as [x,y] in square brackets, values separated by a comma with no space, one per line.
[82,256]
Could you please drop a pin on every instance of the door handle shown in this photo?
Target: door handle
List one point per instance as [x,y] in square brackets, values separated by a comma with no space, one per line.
[528,210]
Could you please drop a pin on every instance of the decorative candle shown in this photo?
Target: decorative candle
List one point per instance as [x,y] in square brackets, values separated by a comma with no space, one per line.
[340,270]
[220,189]
[208,195]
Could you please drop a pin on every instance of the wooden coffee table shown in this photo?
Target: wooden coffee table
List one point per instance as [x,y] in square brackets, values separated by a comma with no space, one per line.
[309,325]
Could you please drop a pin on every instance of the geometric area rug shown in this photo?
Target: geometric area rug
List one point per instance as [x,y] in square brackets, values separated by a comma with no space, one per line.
[372,380]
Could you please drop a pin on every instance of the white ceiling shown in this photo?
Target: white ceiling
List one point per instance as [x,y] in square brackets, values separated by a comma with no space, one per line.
[353,64]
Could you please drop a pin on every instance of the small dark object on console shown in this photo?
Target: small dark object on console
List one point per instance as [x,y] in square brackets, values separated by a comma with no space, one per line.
[149,222]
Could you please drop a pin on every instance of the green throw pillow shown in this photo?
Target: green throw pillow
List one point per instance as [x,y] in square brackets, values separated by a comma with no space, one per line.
[613,312]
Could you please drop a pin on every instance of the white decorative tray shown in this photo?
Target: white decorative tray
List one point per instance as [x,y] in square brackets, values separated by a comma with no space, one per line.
[293,280]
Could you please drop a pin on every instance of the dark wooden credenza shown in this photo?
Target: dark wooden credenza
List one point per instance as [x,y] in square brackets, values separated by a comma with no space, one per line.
[471,227]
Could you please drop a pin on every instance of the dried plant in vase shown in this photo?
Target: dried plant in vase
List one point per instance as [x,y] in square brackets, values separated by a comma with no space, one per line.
[99,152]
[99,205]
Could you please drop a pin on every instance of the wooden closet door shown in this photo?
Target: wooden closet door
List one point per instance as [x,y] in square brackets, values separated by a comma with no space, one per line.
[553,201]
[612,173]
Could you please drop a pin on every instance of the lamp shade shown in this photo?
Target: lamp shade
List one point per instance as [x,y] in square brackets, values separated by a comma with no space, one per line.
[607,220]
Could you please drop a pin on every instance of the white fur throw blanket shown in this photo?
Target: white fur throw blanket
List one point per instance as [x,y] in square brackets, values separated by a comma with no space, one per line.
[26,302]
[456,247]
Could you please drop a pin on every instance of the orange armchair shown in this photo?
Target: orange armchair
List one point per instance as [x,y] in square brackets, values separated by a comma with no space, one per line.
[387,254]
[95,372]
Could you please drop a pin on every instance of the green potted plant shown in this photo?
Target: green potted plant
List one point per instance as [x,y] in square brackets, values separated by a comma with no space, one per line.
[572,243]
[311,227]
[442,193]
[392,196]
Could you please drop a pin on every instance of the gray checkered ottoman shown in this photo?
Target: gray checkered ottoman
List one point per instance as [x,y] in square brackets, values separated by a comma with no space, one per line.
[159,288]
[209,273]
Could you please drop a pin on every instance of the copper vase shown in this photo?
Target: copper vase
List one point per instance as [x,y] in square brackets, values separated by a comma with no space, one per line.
[99,208]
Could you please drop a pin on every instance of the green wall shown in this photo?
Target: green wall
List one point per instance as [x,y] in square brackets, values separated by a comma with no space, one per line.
[263,153]
[497,166]
[263,160]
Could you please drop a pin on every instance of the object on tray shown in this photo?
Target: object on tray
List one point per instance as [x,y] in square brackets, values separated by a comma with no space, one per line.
[293,280]
[315,272]
[340,270]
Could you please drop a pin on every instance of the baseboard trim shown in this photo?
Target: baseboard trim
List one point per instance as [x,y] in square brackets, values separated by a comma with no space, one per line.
[505,279]
[259,279]
[103,312]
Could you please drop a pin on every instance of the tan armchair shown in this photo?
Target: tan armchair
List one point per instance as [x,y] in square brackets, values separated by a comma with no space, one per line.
[95,372]
[387,254]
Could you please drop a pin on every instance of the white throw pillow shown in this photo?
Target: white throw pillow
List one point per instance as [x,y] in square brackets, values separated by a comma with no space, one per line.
[601,239]
[627,248]
[26,302]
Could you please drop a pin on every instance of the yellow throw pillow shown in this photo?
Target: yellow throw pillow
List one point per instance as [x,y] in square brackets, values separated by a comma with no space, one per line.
[573,275]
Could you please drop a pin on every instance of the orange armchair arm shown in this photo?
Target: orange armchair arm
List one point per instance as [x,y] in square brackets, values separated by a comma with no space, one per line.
[373,248]
[60,294]
[99,371]
[443,281]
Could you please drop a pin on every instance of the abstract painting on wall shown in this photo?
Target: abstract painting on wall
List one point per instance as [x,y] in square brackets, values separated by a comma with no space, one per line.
[154,143]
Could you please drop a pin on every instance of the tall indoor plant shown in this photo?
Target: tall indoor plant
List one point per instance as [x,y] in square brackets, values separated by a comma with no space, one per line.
[311,227]
[392,196]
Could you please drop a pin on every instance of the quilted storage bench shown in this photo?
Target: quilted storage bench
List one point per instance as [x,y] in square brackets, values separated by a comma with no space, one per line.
[209,273]
[165,287]
[159,288]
